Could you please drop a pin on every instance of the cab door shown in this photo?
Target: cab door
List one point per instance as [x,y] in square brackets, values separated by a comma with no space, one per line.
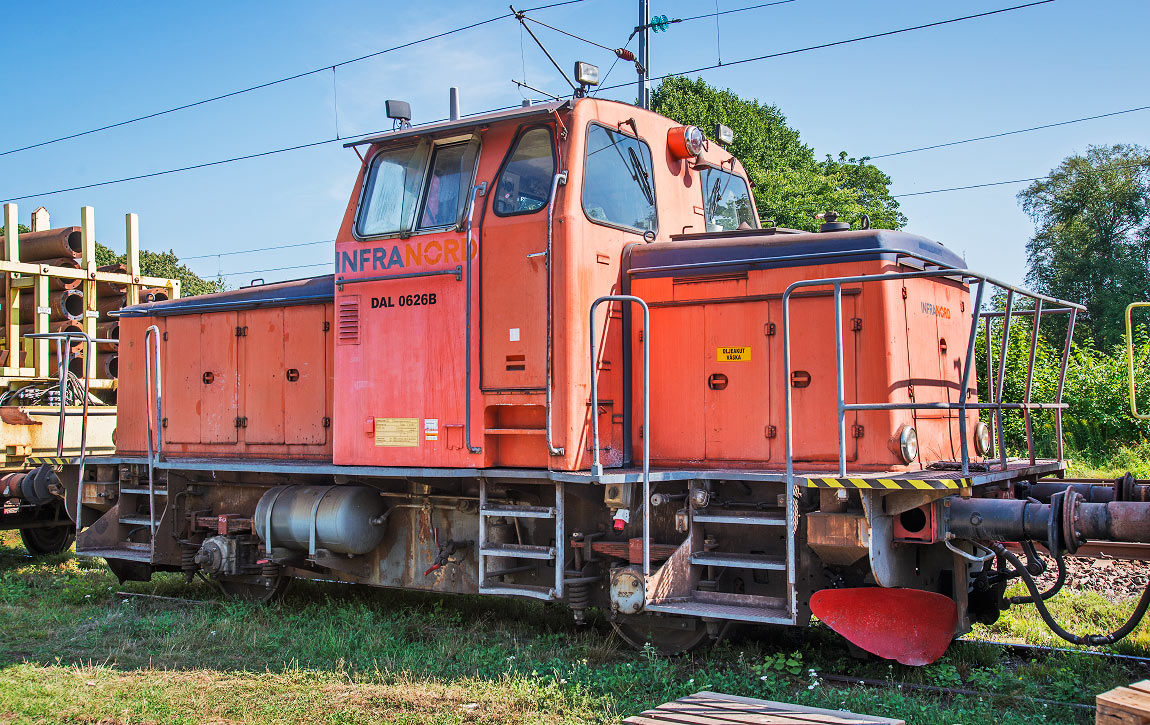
[514,264]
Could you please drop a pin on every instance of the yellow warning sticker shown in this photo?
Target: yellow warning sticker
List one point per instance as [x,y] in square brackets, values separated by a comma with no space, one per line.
[733,354]
[397,432]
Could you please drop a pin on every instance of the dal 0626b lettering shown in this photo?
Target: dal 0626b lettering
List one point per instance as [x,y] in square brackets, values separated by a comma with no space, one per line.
[418,299]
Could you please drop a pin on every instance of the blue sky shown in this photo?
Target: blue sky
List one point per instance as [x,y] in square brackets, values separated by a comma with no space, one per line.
[69,67]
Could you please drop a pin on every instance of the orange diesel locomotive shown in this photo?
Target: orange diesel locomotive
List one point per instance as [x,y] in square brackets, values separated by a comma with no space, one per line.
[561,357]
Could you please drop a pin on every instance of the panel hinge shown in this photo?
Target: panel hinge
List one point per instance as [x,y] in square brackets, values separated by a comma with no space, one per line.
[856,324]
[641,335]
[326,422]
[769,329]
[770,431]
[904,292]
[326,325]
[856,431]
[241,421]
[164,422]
[241,330]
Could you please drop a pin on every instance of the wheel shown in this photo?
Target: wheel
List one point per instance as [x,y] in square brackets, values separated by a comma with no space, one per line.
[668,635]
[253,588]
[50,540]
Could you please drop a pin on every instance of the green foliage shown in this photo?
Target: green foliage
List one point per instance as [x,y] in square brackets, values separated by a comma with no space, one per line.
[19,228]
[1092,239]
[791,186]
[167,265]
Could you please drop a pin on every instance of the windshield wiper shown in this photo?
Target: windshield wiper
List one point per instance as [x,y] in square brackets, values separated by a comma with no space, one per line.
[640,175]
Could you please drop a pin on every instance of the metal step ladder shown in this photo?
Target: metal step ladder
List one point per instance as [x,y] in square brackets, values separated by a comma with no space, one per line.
[725,605]
[488,583]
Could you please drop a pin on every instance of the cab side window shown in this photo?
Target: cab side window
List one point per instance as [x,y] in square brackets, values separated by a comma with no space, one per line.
[447,185]
[618,186]
[525,184]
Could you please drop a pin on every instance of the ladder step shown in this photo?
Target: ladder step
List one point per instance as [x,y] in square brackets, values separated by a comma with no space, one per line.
[742,518]
[518,551]
[138,520]
[743,613]
[144,491]
[525,512]
[113,552]
[739,561]
[517,590]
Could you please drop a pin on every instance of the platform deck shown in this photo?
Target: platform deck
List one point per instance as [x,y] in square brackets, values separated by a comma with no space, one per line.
[808,477]
[712,708]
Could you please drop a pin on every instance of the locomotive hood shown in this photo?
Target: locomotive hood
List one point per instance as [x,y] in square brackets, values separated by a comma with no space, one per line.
[310,291]
[767,248]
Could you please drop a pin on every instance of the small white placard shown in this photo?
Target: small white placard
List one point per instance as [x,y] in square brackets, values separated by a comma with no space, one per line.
[514,334]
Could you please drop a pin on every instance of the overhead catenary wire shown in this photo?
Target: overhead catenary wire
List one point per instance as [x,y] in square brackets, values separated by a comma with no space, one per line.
[285,79]
[258,249]
[218,162]
[835,43]
[1011,133]
[999,183]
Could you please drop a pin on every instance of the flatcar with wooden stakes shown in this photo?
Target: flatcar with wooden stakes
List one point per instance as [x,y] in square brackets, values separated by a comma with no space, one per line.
[561,357]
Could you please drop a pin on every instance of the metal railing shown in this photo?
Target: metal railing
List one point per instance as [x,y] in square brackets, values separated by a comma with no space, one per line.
[156,444]
[63,361]
[597,467]
[964,276]
[1130,358]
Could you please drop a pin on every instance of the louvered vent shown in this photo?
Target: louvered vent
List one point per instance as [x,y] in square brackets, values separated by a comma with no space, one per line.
[348,332]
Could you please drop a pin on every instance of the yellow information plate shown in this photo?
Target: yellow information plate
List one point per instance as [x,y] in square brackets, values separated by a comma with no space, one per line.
[397,432]
[733,354]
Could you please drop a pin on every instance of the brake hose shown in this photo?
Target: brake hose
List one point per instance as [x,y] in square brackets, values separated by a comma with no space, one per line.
[1056,587]
[1040,605]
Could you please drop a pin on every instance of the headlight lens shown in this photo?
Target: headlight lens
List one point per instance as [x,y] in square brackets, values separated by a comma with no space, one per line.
[908,444]
[981,438]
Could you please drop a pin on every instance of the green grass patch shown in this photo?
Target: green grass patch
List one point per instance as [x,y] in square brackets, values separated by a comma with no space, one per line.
[72,650]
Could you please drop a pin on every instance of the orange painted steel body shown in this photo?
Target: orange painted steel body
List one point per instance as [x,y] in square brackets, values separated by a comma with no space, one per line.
[390,378]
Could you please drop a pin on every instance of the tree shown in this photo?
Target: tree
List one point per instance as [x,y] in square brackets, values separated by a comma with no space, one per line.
[164,264]
[791,186]
[1092,235]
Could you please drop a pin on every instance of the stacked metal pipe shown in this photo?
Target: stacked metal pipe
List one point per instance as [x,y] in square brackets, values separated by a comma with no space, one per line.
[63,248]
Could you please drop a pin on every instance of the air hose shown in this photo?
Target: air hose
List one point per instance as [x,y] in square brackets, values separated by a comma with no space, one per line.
[1059,561]
[1040,605]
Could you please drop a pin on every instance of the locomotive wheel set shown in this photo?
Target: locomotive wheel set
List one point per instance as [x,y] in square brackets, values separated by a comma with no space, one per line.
[561,358]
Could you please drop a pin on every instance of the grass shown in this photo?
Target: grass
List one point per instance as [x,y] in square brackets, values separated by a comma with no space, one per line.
[72,650]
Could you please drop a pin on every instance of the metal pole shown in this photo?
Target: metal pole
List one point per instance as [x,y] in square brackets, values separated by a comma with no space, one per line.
[1030,380]
[841,389]
[1001,375]
[1062,379]
[644,54]
[559,178]
[477,190]
[966,366]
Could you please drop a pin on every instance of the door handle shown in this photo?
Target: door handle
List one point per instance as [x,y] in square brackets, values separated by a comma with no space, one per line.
[717,381]
[533,255]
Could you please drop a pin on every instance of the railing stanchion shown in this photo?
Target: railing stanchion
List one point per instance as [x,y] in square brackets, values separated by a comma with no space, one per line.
[1002,375]
[841,389]
[596,466]
[966,367]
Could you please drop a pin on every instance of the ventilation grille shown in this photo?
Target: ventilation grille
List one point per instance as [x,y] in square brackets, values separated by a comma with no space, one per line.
[348,322]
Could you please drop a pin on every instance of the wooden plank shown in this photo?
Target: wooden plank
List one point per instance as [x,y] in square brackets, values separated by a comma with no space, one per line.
[1123,704]
[709,708]
[1141,686]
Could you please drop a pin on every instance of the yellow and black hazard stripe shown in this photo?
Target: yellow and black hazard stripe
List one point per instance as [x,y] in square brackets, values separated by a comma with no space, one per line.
[894,484]
[51,460]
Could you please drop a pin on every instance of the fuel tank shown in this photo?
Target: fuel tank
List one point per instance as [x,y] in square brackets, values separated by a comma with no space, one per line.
[346,519]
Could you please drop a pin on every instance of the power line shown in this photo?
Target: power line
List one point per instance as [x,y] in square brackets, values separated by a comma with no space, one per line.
[277,269]
[285,79]
[822,46]
[1012,133]
[1002,183]
[717,13]
[258,249]
[216,163]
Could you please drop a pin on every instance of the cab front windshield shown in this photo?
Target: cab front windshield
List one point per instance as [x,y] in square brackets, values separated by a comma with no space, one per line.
[727,201]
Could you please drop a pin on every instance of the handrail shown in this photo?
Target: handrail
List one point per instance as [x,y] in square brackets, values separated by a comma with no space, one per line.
[792,258]
[63,359]
[152,380]
[457,273]
[1130,359]
[962,405]
[479,189]
[597,467]
[560,177]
